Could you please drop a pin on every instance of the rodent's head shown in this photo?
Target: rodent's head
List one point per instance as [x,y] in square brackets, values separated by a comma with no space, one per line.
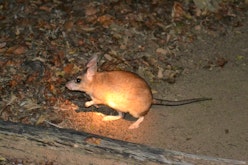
[78,84]
[83,82]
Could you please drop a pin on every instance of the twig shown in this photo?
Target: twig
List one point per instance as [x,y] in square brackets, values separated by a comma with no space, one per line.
[55,125]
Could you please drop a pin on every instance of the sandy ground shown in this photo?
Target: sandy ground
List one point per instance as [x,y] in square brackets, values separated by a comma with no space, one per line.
[214,128]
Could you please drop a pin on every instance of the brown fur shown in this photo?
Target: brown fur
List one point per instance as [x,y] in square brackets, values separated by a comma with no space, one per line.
[120,90]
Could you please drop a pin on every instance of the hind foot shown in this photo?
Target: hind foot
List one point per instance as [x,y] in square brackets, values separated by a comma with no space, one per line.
[137,123]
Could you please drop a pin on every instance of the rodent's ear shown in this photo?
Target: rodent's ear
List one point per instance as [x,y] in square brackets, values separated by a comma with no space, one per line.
[92,62]
[91,68]
[91,71]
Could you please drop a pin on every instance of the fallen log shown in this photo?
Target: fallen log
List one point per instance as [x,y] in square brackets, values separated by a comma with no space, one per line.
[65,146]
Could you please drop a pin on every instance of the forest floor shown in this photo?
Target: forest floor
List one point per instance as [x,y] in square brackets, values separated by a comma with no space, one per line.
[45,44]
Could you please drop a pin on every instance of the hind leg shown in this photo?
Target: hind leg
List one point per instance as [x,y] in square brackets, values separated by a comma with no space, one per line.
[137,123]
[110,118]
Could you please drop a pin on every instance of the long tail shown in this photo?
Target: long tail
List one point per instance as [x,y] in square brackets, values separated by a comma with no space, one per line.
[177,103]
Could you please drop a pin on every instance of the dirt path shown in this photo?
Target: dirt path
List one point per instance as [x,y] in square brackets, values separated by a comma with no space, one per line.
[215,128]
[218,127]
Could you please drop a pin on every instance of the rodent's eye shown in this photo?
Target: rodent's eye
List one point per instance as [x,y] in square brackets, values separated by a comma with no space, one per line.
[78,80]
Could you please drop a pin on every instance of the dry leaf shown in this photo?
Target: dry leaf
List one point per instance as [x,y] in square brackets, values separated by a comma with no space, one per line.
[30,104]
[68,68]
[161,51]
[90,11]
[105,20]
[197,27]
[12,99]
[108,57]
[80,42]
[3,44]
[68,25]
[45,8]
[51,100]
[40,120]
[160,72]
[240,57]
[170,76]
[34,77]
[154,91]
[221,62]
[17,50]
[87,29]
[65,105]
[2,50]
[177,12]
[58,58]
[53,89]
[11,49]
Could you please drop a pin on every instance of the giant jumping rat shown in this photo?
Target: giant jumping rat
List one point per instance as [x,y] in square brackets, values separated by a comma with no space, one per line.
[121,90]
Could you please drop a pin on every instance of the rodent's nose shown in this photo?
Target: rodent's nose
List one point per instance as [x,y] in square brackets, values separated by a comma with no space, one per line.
[68,85]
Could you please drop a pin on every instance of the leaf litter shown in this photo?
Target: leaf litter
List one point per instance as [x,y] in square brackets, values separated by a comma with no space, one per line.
[43,44]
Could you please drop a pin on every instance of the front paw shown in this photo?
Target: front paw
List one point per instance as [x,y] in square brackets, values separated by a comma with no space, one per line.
[89,103]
